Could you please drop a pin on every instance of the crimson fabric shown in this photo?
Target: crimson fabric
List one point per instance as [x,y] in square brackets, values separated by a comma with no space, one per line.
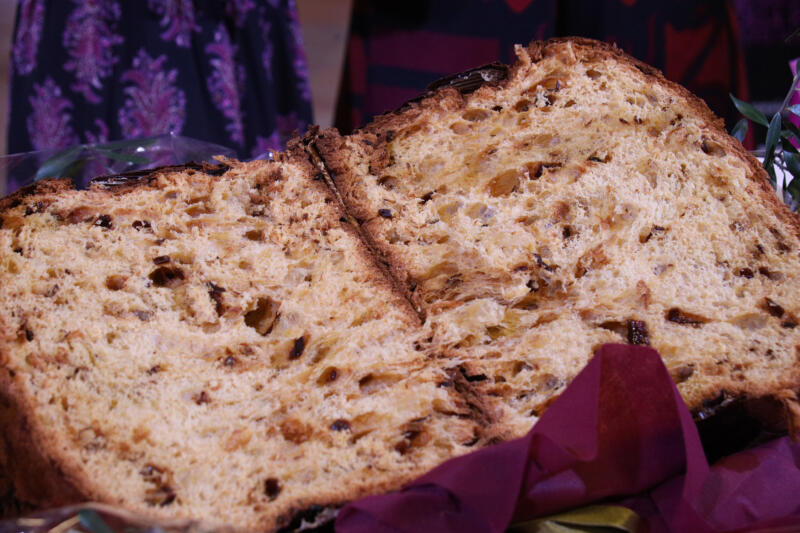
[620,433]
[397,48]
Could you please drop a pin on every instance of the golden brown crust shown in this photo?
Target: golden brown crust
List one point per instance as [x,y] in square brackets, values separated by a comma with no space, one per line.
[28,460]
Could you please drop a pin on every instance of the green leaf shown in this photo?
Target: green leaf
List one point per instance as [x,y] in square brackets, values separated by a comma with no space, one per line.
[56,166]
[92,521]
[749,111]
[594,518]
[794,109]
[771,172]
[740,130]
[793,165]
[773,134]
[791,129]
[788,146]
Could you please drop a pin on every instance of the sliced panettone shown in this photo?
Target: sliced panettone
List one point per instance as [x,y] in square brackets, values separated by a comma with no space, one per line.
[220,348]
[580,199]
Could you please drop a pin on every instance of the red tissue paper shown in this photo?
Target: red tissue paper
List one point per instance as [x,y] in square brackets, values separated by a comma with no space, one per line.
[619,434]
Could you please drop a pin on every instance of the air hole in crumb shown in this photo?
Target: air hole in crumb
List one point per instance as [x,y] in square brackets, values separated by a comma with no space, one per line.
[340,425]
[144,316]
[201,398]
[295,431]
[459,128]
[298,347]
[329,375]
[504,183]
[264,316]
[681,317]
[255,235]
[520,366]
[198,209]
[711,147]
[475,115]
[593,74]
[682,373]
[272,488]
[655,230]
[389,182]
[371,383]
[551,83]
[167,276]
[215,293]
[773,308]
[103,221]
[115,282]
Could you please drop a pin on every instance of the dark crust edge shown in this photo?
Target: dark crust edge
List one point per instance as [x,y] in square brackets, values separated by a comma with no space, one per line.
[129,180]
[111,183]
[379,133]
[37,477]
[327,144]
[301,156]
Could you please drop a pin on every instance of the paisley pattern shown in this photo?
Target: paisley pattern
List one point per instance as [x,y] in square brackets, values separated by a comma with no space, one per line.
[229,72]
[154,105]
[89,38]
[26,40]
[49,123]
[178,17]
[225,81]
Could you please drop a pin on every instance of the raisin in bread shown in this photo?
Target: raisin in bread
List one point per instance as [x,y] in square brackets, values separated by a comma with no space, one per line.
[579,199]
[223,349]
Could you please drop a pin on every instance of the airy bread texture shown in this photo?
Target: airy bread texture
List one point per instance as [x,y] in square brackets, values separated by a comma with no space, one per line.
[583,200]
[251,344]
[217,348]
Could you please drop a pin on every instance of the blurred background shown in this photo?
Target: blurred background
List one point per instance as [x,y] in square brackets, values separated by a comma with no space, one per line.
[366,57]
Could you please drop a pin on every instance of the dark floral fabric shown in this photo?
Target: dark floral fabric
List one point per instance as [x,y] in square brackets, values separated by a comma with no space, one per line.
[397,48]
[231,72]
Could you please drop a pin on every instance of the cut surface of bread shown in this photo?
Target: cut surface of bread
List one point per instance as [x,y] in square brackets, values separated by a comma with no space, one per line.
[580,201]
[217,348]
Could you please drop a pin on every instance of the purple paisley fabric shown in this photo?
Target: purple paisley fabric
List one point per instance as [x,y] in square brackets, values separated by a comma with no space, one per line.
[178,19]
[231,72]
[89,38]
[153,104]
[26,38]
[225,80]
[49,123]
